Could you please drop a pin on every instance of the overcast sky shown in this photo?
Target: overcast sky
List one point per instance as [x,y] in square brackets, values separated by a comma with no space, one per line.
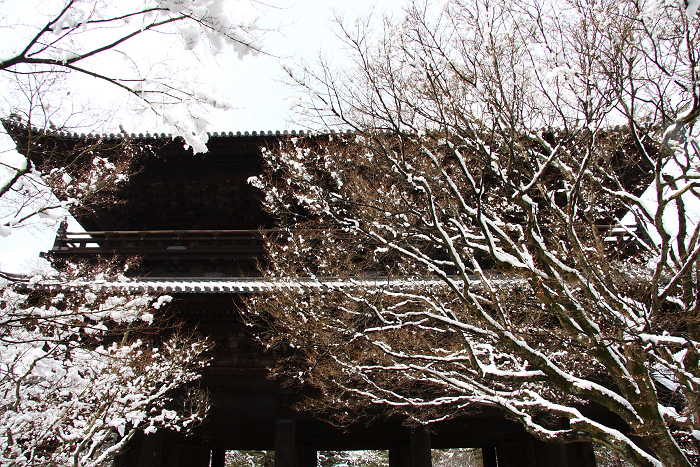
[299,30]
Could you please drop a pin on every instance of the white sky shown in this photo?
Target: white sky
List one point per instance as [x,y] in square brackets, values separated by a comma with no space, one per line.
[252,86]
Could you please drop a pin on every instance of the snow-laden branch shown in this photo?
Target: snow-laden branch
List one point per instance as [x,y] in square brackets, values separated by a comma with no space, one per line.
[77,381]
[78,33]
[546,174]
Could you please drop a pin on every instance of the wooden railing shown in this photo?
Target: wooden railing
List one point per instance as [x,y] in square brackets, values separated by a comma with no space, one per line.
[226,244]
[231,244]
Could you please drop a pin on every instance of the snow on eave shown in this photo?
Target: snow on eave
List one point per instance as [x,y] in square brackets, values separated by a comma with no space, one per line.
[243,285]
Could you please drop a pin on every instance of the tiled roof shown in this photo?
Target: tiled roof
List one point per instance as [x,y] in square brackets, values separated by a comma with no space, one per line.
[245,285]
[18,125]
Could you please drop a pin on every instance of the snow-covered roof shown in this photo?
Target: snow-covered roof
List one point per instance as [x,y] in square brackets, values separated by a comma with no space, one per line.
[685,172]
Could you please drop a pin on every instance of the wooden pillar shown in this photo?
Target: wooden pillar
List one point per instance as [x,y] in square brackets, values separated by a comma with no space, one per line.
[400,456]
[151,449]
[488,454]
[306,456]
[284,443]
[420,447]
[218,457]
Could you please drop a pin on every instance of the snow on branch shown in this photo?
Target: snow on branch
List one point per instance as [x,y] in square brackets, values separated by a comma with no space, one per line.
[544,168]
[81,373]
[78,32]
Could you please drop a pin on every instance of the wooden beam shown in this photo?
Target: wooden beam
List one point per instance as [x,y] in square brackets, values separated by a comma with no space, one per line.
[521,454]
[551,455]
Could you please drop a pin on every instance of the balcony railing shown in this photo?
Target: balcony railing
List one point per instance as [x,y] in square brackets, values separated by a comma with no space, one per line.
[222,244]
[225,244]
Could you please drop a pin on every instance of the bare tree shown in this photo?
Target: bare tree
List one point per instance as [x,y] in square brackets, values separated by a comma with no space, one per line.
[56,173]
[77,34]
[513,222]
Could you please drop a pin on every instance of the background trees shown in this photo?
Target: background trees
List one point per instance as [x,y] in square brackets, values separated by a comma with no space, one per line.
[513,222]
[84,368]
